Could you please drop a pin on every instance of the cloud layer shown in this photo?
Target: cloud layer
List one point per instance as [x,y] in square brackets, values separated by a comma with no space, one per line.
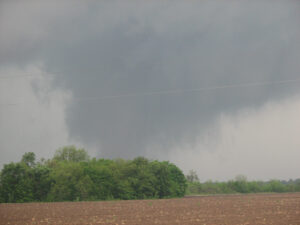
[92,50]
[261,144]
[32,115]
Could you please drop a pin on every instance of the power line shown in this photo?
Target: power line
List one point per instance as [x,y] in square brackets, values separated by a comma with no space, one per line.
[39,75]
[177,91]
[42,74]
[10,104]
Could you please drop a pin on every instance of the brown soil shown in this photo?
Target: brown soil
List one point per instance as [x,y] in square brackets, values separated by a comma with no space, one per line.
[281,209]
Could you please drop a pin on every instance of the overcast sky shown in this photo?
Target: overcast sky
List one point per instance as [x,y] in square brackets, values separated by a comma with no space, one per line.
[212,86]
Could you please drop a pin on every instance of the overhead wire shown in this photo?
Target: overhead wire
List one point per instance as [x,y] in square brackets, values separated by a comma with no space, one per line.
[27,75]
[178,91]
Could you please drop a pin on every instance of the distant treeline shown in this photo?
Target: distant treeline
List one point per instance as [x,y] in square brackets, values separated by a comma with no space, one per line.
[72,176]
[239,185]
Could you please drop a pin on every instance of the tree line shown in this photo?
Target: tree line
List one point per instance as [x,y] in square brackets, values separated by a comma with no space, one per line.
[239,185]
[72,176]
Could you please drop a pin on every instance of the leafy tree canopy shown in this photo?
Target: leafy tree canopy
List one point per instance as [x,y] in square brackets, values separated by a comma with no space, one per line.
[71,176]
[29,159]
[71,154]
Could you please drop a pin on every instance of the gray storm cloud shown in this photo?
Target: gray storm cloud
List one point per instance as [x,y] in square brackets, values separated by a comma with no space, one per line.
[97,50]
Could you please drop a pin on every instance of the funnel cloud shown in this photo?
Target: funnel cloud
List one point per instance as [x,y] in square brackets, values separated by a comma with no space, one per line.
[125,72]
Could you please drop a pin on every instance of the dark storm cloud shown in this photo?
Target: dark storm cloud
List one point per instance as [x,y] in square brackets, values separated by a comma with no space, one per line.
[118,48]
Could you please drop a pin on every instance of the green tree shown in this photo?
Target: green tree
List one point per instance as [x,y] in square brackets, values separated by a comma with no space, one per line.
[16,183]
[275,186]
[178,181]
[101,174]
[65,182]
[192,176]
[142,178]
[163,181]
[240,184]
[71,176]
[29,159]
[71,154]
[41,182]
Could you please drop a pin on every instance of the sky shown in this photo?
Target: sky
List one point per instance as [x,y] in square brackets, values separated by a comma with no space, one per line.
[212,86]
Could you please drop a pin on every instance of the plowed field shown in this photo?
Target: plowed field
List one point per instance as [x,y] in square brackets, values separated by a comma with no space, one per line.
[281,209]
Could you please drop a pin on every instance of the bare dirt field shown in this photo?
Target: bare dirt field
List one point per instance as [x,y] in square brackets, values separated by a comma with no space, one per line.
[281,209]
